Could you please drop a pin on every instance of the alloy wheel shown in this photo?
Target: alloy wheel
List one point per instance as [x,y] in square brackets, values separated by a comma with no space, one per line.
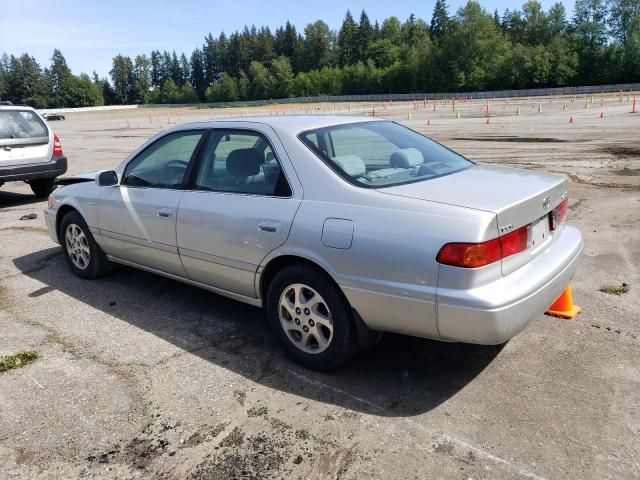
[305,318]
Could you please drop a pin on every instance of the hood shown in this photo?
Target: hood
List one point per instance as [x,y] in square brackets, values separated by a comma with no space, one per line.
[79,178]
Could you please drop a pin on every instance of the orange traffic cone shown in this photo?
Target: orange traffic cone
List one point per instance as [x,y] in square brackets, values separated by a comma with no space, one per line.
[563,307]
[601,114]
[571,119]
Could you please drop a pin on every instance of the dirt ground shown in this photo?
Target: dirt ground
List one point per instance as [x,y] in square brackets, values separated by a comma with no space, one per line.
[143,377]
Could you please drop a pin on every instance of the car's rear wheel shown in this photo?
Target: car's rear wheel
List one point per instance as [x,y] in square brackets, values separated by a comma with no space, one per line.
[311,317]
[42,187]
[83,254]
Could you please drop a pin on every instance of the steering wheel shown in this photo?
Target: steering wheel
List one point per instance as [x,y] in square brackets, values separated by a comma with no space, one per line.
[180,166]
[177,163]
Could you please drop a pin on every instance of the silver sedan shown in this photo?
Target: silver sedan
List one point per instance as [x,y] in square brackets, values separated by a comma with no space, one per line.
[341,227]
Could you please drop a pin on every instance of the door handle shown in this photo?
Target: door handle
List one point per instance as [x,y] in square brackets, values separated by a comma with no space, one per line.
[269,227]
[165,213]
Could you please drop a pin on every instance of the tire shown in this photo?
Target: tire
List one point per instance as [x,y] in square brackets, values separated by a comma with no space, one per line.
[84,256]
[42,187]
[321,337]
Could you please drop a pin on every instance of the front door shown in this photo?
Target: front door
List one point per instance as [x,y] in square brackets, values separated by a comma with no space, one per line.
[239,207]
[137,219]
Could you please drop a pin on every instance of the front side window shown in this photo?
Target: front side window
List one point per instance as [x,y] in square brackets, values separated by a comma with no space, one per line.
[164,163]
[241,161]
[21,124]
[382,154]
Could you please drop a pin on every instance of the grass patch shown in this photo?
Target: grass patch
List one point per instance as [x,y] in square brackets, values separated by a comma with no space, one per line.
[615,289]
[18,360]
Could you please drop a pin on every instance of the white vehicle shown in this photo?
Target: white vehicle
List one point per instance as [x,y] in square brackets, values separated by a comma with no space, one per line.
[29,150]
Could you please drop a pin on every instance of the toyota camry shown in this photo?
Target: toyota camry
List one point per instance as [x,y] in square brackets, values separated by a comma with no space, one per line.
[340,227]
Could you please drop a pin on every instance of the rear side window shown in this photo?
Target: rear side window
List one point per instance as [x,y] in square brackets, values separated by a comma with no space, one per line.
[16,124]
[382,154]
[241,161]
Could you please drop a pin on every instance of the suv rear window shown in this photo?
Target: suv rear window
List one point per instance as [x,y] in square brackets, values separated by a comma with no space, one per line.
[15,124]
[382,153]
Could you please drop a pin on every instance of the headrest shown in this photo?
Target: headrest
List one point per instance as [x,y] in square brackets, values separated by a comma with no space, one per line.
[244,162]
[407,158]
[351,164]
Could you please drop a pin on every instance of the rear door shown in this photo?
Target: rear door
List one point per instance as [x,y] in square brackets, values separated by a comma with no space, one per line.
[239,207]
[24,138]
[137,219]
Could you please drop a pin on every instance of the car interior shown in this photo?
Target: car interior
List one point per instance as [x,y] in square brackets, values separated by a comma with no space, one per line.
[251,168]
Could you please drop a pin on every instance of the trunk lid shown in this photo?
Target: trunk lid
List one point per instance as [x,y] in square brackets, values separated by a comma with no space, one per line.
[517,197]
[24,138]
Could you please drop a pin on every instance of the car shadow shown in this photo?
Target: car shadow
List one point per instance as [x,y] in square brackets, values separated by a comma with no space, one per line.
[13,199]
[401,376]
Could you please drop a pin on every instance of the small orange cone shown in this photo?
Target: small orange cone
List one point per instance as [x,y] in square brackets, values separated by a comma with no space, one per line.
[601,114]
[563,307]
[571,119]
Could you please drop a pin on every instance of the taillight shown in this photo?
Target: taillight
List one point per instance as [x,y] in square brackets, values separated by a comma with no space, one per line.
[57,147]
[559,214]
[474,255]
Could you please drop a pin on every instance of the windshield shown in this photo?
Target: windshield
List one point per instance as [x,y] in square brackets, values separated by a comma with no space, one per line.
[21,124]
[382,154]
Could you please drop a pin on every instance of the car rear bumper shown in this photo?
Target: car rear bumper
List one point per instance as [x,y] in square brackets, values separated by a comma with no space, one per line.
[494,313]
[55,167]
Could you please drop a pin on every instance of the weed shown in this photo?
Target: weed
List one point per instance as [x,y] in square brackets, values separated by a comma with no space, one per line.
[18,360]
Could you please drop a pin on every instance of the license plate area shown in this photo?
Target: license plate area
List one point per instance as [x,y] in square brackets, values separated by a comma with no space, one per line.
[539,232]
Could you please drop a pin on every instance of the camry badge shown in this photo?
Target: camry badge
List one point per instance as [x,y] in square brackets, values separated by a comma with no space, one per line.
[546,203]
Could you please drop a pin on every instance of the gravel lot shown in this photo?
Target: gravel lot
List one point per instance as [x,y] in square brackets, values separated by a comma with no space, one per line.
[143,377]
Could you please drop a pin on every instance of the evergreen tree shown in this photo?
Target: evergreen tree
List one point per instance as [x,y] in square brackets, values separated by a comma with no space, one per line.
[156,69]
[348,41]
[440,20]
[198,78]
[590,29]
[185,69]
[286,41]
[123,79]
[318,44]
[60,75]
[141,79]
[364,37]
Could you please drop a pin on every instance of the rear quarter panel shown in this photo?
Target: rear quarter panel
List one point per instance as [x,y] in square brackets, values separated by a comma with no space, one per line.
[389,273]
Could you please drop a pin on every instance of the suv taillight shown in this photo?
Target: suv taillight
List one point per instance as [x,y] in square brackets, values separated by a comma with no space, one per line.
[474,255]
[559,214]
[57,147]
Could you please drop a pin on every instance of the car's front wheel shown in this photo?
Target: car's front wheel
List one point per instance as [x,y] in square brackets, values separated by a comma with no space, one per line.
[42,187]
[83,254]
[311,317]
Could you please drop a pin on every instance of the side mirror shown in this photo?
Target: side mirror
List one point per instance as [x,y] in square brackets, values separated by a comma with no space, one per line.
[107,178]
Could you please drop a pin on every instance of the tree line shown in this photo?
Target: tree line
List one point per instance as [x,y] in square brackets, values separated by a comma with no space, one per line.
[471,50]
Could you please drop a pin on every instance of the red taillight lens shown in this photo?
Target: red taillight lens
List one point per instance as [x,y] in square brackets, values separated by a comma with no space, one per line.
[559,214]
[470,255]
[474,255]
[515,242]
[57,147]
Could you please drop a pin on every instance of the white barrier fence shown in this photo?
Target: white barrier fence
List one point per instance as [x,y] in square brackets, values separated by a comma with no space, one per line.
[584,90]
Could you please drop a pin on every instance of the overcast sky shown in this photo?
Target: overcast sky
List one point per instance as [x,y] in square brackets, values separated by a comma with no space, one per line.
[91,33]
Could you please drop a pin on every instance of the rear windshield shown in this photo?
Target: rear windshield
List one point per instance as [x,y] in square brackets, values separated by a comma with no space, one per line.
[21,124]
[382,154]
